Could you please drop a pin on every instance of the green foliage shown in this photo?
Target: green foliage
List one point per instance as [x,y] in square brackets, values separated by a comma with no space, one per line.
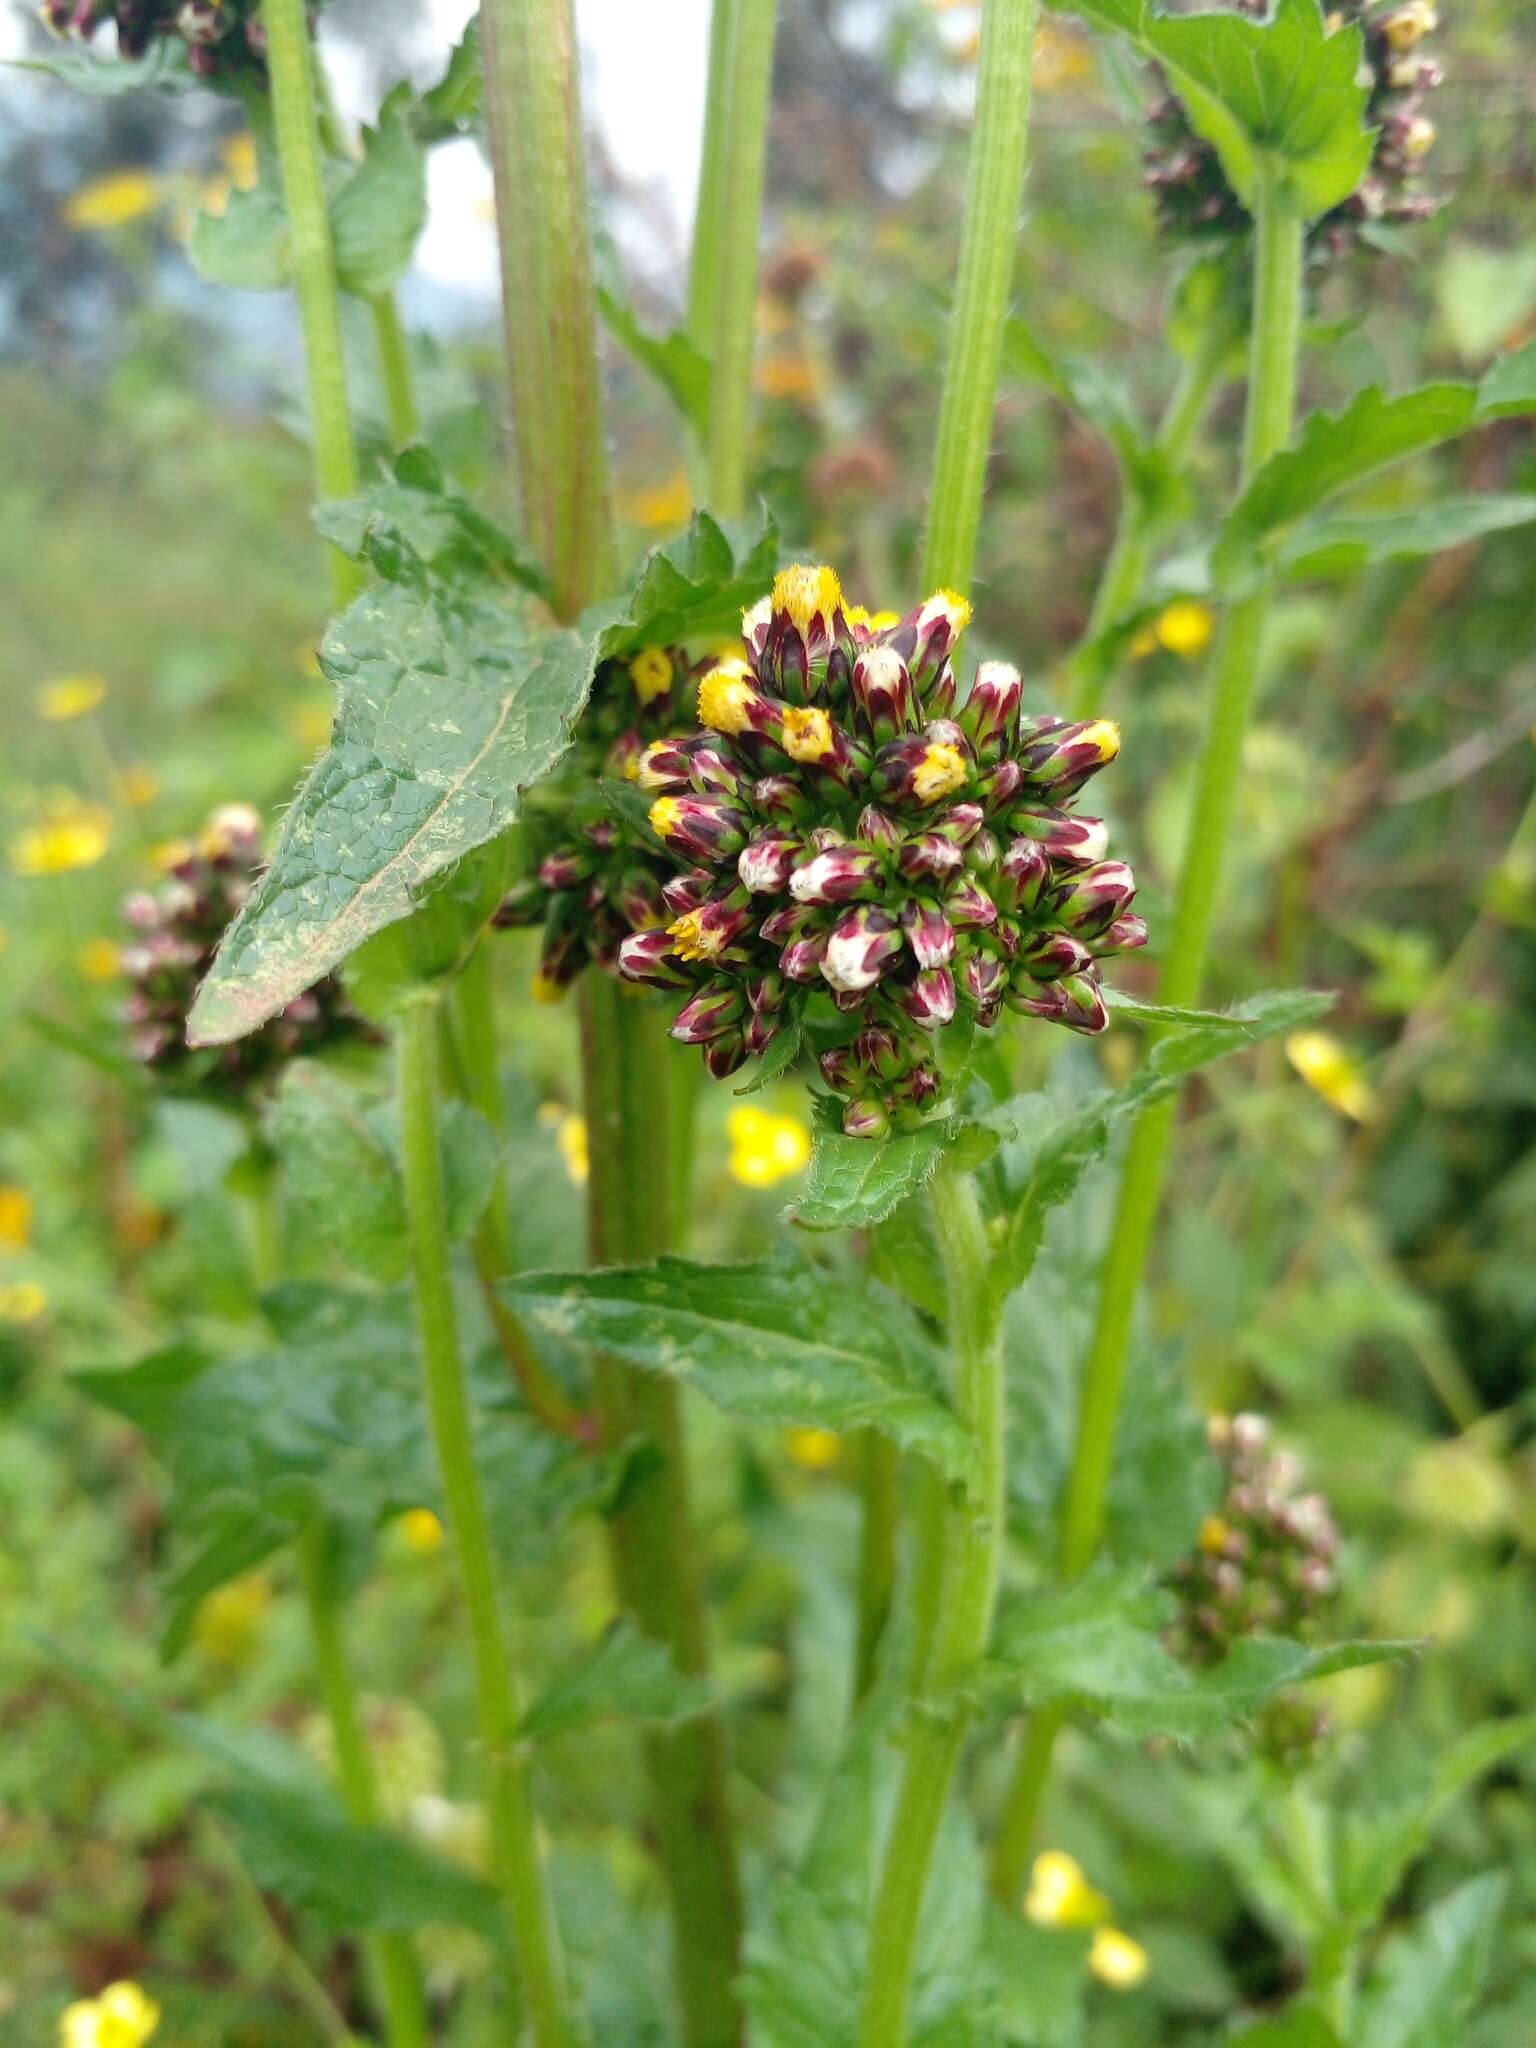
[693,588]
[677,364]
[626,1676]
[436,522]
[780,1341]
[1282,91]
[1342,545]
[855,1182]
[1428,1978]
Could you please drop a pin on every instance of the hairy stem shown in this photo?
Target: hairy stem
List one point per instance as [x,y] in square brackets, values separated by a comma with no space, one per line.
[737,204]
[297,129]
[515,1846]
[1273,355]
[533,116]
[704,264]
[390,1954]
[994,193]
[964,1529]
[626,1061]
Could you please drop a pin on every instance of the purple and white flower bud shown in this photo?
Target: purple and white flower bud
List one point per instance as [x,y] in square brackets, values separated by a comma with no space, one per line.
[930,934]
[648,957]
[969,906]
[1125,935]
[990,714]
[961,822]
[1093,899]
[1001,784]
[986,979]
[779,796]
[861,947]
[1048,955]
[919,770]
[843,874]
[883,697]
[928,856]
[935,630]
[877,1050]
[717,1008]
[928,999]
[1022,875]
[1079,841]
[711,774]
[840,1069]
[687,890]
[765,995]
[704,934]
[923,1085]
[664,766]
[1084,1008]
[984,852]
[760,1032]
[787,923]
[866,1118]
[1058,763]
[764,864]
[638,900]
[726,1055]
[563,869]
[875,828]
[801,959]
[707,828]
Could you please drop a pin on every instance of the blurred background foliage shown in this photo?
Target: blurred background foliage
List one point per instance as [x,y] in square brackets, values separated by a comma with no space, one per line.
[1352,1243]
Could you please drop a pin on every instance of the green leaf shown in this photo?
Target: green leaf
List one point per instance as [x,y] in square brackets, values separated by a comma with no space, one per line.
[163,66]
[437,523]
[778,1341]
[450,705]
[431,945]
[777,1060]
[1299,2026]
[678,365]
[855,1182]
[1338,546]
[1283,89]
[1483,294]
[1068,1148]
[1096,1646]
[339,1148]
[693,588]
[378,213]
[624,1676]
[1508,389]
[454,105]
[1427,1980]
[246,247]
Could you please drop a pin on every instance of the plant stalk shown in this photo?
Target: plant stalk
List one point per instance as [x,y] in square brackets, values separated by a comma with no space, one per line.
[515,1846]
[395,367]
[994,193]
[390,1954]
[296,126]
[880,1501]
[533,116]
[1273,357]
[733,228]
[704,262]
[627,1071]
[964,1529]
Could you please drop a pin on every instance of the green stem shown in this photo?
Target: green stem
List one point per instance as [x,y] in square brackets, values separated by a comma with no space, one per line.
[966,1529]
[515,1846]
[1273,360]
[879,1496]
[288,1960]
[1014,1847]
[993,195]
[290,62]
[390,1954]
[626,1070]
[538,154]
[733,229]
[395,366]
[1125,570]
[704,264]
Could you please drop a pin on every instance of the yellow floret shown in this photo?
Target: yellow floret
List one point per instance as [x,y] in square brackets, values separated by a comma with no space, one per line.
[807,593]
[1103,735]
[691,940]
[813,1450]
[1327,1065]
[651,673]
[1060,1895]
[807,733]
[1213,1533]
[664,815]
[946,604]
[765,1149]
[1185,628]
[725,696]
[67,697]
[940,772]
[1116,1960]
[15,1218]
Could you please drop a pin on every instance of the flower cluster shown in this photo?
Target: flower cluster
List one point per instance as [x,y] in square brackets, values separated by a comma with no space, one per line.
[176,930]
[845,827]
[1194,199]
[1264,1562]
[596,878]
[223,38]
[122,2016]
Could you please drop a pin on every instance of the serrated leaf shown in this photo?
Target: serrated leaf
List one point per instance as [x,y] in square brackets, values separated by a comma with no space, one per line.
[625,1675]
[379,211]
[163,66]
[775,1341]
[855,1182]
[439,525]
[450,705]
[678,365]
[453,106]
[1068,1148]
[1096,1646]
[692,588]
[1338,546]
[1283,88]
[776,1062]
[1427,1979]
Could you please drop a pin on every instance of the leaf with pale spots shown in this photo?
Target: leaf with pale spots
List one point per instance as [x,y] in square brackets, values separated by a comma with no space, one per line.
[856,1182]
[450,705]
[778,1341]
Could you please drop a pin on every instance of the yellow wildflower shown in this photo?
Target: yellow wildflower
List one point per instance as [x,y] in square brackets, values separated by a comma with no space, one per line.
[23,1301]
[228,1621]
[651,673]
[1213,1533]
[659,506]
[1060,58]
[122,2017]
[15,1218]
[67,697]
[724,695]
[1060,1895]
[793,378]
[873,622]
[100,960]
[806,593]
[1329,1067]
[1185,628]
[74,835]
[1116,1960]
[766,1148]
[814,1450]
[138,785]
[421,1532]
[693,939]
[808,733]
[239,156]
[940,772]
[948,605]
[570,1139]
[112,201]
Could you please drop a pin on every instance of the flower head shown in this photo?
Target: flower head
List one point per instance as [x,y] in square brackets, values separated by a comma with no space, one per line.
[224,40]
[122,2016]
[766,1148]
[846,830]
[70,834]
[1060,1895]
[1116,1960]
[68,697]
